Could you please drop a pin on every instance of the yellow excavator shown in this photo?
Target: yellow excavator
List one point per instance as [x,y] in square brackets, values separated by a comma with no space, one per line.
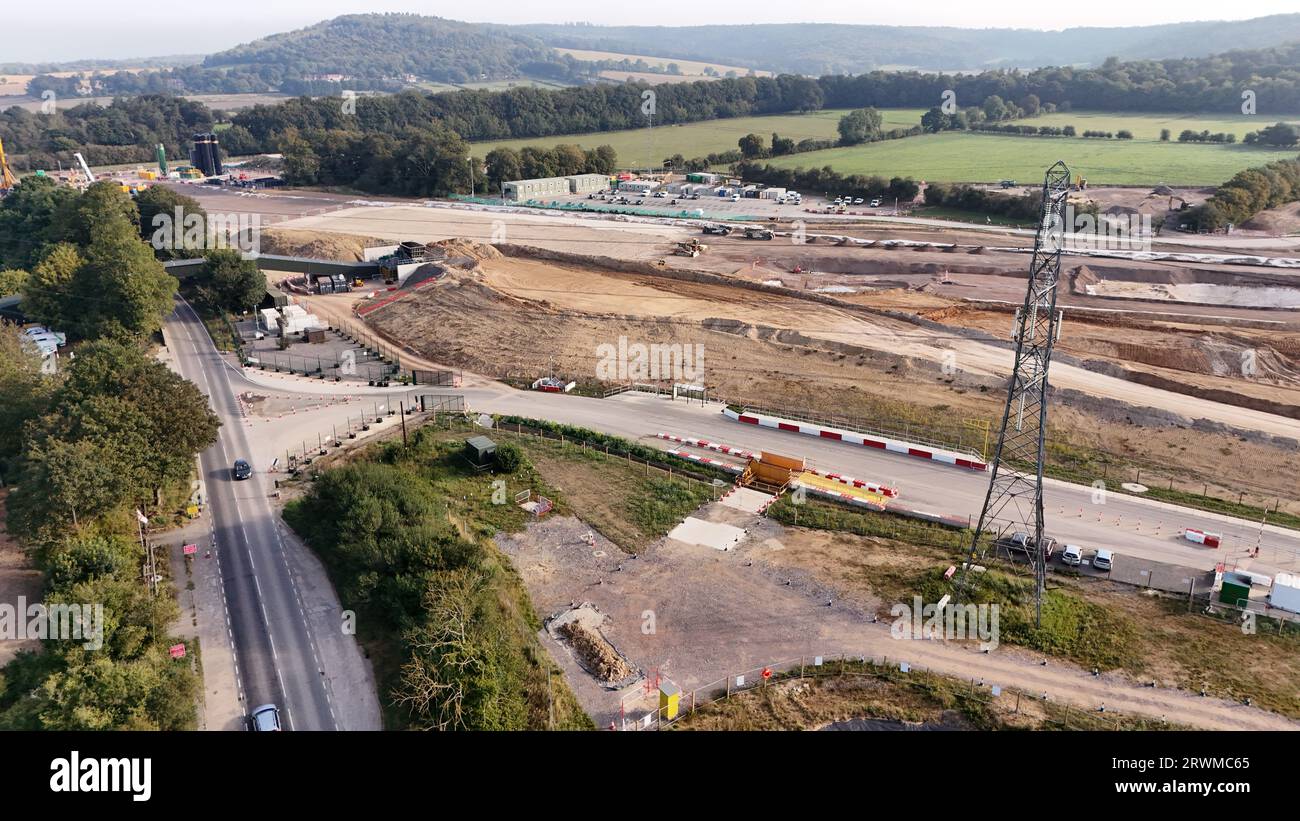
[7,178]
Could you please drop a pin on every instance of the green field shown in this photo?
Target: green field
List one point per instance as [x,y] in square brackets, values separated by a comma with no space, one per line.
[643,147]
[970,157]
[1147,127]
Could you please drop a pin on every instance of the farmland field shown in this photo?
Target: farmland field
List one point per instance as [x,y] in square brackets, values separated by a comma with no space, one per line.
[1147,126]
[970,157]
[691,69]
[641,147]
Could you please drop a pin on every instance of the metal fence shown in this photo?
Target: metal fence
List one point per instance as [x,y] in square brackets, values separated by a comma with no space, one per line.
[362,365]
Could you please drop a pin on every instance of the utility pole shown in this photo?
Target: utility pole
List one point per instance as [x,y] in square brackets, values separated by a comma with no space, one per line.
[1015,494]
[402,405]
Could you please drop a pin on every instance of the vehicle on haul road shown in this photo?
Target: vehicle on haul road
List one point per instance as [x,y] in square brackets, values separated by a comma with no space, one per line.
[759,233]
[1072,555]
[1103,560]
[721,230]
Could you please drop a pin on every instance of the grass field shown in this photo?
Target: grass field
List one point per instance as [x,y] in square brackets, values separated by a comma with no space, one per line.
[641,147]
[967,157]
[1147,127]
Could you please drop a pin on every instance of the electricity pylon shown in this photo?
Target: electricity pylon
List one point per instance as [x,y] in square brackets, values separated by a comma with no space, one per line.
[1015,494]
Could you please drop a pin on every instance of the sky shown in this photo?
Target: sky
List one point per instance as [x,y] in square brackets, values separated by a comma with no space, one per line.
[77,29]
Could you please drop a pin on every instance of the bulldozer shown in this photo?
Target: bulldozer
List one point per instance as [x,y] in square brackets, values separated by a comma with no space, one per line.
[690,248]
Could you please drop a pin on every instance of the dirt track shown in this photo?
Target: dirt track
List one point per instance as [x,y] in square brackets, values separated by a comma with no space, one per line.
[718,614]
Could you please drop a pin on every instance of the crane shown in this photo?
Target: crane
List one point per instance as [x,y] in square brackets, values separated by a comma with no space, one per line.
[85,169]
[7,178]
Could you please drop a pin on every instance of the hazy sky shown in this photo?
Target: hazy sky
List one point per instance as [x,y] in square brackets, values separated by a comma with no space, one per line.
[72,29]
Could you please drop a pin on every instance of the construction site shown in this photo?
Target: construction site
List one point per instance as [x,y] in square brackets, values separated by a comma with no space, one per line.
[1174,376]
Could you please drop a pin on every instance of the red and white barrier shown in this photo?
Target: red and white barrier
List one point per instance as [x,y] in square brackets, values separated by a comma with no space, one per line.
[707,445]
[883,490]
[1201,537]
[853,437]
[704,460]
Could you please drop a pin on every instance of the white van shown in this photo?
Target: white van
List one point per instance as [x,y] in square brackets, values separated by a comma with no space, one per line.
[1103,559]
[1072,555]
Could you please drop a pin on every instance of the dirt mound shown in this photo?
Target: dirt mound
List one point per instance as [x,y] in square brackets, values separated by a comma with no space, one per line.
[457,248]
[316,244]
[1281,221]
[595,654]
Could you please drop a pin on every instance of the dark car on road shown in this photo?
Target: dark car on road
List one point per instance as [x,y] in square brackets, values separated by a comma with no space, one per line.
[241,470]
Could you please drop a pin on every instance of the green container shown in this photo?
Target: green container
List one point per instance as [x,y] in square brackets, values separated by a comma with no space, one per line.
[1234,593]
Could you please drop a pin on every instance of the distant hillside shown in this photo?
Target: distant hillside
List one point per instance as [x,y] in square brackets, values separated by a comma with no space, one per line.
[818,49]
[381,46]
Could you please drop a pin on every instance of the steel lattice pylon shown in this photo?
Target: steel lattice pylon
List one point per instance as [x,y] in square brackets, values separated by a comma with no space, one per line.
[1015,495]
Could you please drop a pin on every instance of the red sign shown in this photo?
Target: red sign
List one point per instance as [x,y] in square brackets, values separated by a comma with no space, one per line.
[177,651]
[767,672]
[191,549]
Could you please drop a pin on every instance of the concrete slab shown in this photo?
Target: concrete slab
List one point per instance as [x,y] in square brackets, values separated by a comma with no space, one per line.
[748,499]
[707,534]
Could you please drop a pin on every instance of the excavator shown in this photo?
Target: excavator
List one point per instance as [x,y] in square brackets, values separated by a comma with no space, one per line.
[7,178]
[691,248]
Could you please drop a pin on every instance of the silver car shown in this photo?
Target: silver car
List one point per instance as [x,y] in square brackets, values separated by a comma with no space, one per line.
[265,719]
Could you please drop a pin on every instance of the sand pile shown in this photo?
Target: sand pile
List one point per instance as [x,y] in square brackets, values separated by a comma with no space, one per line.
[316,244]
[458,248]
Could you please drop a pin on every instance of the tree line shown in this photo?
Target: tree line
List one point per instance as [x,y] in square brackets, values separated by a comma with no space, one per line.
[114,432]
[1246,194]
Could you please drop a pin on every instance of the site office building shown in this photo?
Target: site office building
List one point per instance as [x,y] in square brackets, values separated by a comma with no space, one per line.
[555,186]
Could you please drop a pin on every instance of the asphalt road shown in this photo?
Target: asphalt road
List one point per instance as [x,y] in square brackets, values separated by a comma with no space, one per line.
[276,656]
[1132,526]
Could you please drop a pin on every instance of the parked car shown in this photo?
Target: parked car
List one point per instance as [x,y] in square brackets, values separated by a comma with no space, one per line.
[1019,543]
[265,719]
[875,203]
[857,200]
[241,470]
[1072,555]
[1103,560]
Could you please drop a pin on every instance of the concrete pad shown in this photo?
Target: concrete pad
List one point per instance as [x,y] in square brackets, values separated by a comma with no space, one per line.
[748,499]
[707,534]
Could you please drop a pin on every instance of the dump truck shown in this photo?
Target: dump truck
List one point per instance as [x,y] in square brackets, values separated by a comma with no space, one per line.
[759,233]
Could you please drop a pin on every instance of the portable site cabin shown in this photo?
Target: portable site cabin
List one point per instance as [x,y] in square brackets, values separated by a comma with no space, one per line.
[532,189]
[587,183]
[1285,593]
[638,186]
[479,451]
[297,319]
[268,319]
